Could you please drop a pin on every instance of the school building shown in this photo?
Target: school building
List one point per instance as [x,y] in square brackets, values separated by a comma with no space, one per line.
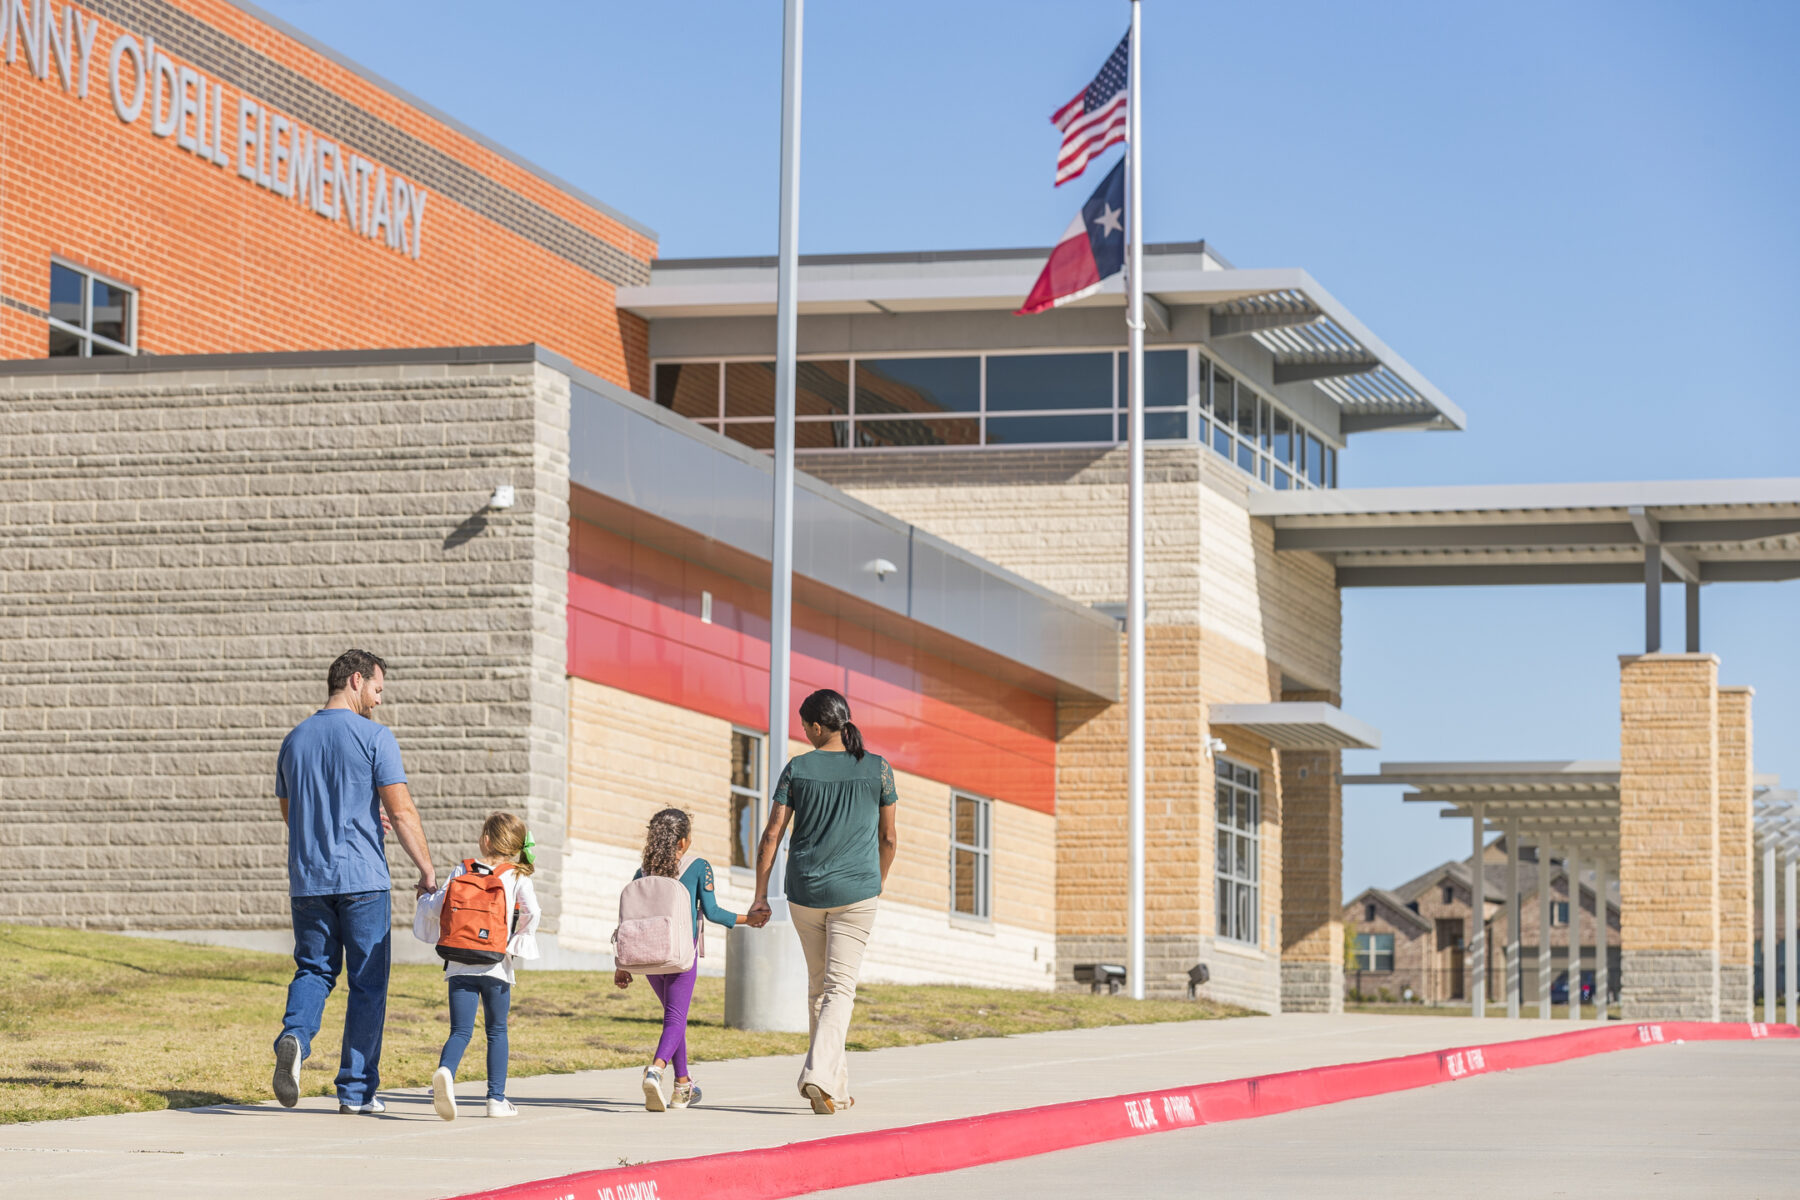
[320,367]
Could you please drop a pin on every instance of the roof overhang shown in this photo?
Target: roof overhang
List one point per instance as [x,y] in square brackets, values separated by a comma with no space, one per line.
[671,484]
[1569,804]
[1308,333]
[1299,725]
[1702,531]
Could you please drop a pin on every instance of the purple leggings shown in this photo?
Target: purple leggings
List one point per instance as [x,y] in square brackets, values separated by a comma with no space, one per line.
[675,991]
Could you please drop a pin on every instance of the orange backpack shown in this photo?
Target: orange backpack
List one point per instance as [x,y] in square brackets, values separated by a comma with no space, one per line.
[476,919]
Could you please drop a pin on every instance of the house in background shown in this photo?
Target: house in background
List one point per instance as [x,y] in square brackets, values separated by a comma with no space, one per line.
[1413,937]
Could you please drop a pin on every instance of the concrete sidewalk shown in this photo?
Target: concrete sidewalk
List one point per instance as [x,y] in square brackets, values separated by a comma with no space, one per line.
[595,1119]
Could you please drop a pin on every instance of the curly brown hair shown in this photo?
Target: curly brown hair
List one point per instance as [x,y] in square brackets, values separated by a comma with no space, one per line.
[662,842]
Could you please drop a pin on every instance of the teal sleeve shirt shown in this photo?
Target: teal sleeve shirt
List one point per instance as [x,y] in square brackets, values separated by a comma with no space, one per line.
[834,855]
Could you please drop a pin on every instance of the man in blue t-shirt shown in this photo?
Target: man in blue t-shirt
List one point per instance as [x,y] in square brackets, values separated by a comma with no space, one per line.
[336,771]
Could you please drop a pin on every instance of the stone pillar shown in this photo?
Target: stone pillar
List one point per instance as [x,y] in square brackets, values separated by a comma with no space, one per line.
[1737,904]
[1669,836]
[1312,872]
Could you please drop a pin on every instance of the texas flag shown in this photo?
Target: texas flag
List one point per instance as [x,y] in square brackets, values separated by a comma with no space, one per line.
[1092,249]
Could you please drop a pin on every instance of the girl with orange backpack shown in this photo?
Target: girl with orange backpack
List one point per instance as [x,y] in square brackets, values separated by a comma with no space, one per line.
[483,920]
[660,936]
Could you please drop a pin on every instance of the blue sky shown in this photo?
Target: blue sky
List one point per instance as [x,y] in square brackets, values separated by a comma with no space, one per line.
[1577,220]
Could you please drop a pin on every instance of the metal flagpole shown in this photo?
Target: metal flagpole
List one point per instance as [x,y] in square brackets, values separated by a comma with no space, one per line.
[787,271]
[765,979]
[1135,606]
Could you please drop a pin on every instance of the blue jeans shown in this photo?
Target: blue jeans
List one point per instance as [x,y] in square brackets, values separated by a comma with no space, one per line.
[495,996]
[353,933]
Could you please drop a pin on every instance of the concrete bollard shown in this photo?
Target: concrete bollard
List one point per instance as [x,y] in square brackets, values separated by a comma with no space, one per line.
[765,977]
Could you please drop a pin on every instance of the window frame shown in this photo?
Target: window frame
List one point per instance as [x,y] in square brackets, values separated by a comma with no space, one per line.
[1251,454]
[87,337]
[752,795]
[1369,951]
[1226,922]
[984,856]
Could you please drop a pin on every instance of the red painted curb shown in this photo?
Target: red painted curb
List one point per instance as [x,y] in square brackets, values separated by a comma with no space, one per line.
[774,1172]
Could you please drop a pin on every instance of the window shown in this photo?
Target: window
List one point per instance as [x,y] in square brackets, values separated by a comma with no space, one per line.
[971,856]
[1368,912]
[1449,894]
[1559,912]
[89,315]
[1374,951]
[746,795]
[1071,397]
[1237,792]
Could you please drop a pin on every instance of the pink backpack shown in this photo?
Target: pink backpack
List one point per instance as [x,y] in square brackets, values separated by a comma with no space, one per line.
[656,923]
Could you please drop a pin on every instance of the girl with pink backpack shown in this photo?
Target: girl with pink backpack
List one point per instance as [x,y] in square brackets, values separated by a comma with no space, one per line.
[660,936]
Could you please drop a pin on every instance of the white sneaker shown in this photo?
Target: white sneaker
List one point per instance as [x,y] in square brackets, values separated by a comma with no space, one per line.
[653,1093]
[373,1108]
[501,1108]
[443,1093]
[686,1095]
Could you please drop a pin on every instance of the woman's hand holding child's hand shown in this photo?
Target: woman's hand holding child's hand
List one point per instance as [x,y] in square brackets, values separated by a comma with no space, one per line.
[622,978]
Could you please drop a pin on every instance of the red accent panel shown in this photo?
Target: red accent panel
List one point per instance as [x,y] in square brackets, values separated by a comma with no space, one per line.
[634,624]
[803,1167]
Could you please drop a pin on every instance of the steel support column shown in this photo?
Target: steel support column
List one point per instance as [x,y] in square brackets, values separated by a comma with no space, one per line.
[1602,970]
[1652,598]
[1544,898]
[1514,985]
[1476,974]
[1693,617]
[1768,938]
[1574,871]
[1787,882]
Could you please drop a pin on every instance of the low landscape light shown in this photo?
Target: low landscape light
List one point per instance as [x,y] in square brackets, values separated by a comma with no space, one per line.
[1110,976]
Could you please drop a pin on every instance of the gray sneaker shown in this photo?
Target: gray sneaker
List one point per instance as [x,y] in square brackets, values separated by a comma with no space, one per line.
[686,1095]
[653,1093]
[286,1083]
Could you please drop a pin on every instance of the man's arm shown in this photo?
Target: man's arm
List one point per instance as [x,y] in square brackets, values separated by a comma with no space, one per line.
[397,800]
[765,861]
[890,839]
[282,800]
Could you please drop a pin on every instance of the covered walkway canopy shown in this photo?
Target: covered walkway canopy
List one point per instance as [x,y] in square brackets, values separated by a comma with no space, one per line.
[1693,532]
[1566,808]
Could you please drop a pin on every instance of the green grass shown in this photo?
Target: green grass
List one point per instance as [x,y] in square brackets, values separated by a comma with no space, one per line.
[97,1023]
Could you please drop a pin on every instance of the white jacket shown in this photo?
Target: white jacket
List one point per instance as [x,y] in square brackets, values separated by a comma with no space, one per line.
[521,945]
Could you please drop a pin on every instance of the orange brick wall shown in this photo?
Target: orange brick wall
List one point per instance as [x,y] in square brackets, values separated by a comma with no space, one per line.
[223,265]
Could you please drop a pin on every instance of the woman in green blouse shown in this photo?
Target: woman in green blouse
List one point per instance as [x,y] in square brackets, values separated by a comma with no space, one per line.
[840,799]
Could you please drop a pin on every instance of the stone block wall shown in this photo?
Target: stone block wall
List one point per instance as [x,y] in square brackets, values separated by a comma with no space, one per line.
[1221,606]
[1669,836]
[631,756]
[185,553]
[1312,950]
[1737,932]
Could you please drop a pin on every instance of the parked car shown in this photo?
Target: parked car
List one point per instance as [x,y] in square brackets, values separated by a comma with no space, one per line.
[1559,989]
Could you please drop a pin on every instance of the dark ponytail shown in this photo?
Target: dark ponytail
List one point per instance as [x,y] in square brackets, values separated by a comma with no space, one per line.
[830,709]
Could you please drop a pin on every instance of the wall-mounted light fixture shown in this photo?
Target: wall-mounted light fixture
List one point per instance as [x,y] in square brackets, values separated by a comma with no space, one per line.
[502,497]
[881,567]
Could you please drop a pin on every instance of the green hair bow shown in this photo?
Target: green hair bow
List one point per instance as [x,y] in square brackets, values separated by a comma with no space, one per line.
[528,852]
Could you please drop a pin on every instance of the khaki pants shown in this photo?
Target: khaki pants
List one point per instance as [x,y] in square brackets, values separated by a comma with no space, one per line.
[833,940]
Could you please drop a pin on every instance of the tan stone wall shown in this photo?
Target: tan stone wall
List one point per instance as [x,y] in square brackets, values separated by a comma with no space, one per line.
[1669,835]
[1227,619]
[631,756]
[185,553]
[1737,934]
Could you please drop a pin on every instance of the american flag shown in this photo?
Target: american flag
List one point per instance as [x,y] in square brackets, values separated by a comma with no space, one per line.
[1095,119]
